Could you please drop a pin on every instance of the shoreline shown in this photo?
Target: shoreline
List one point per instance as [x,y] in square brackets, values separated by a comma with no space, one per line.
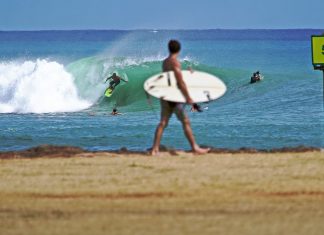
[71,151]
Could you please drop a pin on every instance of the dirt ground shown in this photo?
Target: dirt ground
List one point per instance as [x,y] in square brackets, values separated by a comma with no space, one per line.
[110,193]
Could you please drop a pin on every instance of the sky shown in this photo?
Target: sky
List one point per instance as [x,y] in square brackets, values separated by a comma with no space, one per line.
[160,14]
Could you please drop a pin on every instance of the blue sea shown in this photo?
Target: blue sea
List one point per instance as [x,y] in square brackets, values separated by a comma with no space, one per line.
[52,85]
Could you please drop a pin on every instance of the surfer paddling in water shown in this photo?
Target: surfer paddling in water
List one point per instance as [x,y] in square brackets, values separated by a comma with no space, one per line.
[168,108]
[115,112]
[115,80]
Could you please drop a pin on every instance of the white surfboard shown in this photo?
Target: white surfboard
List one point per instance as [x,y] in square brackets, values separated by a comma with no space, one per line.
[202,87]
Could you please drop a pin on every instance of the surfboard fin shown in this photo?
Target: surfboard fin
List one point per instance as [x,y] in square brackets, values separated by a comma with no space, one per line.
[207,95]
[159,77]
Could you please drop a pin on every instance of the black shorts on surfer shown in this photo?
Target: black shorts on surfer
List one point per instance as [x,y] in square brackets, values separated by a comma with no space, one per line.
[113,84]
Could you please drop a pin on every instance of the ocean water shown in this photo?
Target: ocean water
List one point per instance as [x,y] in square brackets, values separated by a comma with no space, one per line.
[52,85]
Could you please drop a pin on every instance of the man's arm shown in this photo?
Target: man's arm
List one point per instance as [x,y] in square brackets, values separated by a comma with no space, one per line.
[108,78]
[181,83]
[123,79]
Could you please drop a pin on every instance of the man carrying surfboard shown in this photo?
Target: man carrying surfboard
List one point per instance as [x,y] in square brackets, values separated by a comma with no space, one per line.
[168,108]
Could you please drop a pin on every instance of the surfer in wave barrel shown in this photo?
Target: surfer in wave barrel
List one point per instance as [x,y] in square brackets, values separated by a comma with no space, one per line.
[115,80]
[168,108]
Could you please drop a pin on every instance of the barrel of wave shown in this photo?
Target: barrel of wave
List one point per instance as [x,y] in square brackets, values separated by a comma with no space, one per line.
[39,86]
[90,74]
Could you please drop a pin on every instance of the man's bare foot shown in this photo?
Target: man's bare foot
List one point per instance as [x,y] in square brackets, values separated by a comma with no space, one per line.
[154,152]
[198,150]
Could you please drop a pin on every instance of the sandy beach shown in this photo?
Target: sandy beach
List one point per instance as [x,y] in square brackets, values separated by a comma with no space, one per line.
[176,193]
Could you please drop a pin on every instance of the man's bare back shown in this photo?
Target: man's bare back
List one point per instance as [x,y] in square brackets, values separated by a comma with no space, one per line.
[171,64]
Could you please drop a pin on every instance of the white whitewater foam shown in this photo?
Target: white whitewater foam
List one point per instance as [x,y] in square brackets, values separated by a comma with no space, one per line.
[38,87]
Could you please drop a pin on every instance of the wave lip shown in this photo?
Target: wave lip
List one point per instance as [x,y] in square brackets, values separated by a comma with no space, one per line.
[39,86]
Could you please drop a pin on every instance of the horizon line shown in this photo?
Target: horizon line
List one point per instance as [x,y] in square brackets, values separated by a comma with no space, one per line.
[147,29]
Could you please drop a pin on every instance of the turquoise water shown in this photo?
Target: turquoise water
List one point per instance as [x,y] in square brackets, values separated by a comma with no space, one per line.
[52,82]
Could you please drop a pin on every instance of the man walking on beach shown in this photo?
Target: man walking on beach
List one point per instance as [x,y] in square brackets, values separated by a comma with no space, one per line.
[168,108]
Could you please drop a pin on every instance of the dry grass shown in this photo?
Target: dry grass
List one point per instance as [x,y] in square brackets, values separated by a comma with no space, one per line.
[112,194]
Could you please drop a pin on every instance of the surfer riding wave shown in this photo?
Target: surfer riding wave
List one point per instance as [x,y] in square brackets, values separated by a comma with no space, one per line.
[115,81]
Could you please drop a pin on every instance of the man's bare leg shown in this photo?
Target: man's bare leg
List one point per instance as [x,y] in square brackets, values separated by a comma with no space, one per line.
[188,132]
[158,135]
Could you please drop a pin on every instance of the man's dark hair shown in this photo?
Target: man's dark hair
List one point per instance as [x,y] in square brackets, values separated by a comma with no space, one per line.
[174,46]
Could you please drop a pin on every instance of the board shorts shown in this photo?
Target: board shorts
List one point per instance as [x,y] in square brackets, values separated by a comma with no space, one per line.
[168,108]
[113,83]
